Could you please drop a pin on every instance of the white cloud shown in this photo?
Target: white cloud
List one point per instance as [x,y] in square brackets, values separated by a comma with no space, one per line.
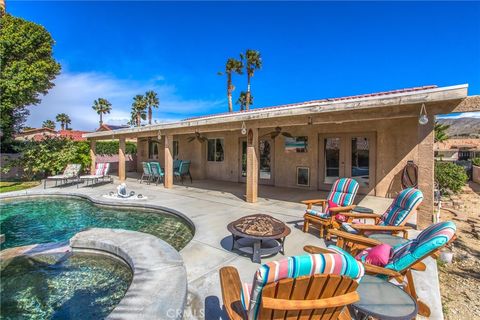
[475,114]
[74,94]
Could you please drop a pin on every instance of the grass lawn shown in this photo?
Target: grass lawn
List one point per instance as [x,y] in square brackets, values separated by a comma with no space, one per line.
[6,186]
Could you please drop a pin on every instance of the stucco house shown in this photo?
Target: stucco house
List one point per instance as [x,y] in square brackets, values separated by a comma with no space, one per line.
[307,145]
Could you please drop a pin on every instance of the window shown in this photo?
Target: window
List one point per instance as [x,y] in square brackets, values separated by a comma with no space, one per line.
[152,150]
[175,149]
[215,150]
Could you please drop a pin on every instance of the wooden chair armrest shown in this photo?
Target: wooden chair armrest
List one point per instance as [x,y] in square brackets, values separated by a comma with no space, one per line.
[371,269]
[354,238]
[314,249]
[341,209]
[371,227]
[419,266]
[356,215]
[332,302]
[231,290]
[313,201]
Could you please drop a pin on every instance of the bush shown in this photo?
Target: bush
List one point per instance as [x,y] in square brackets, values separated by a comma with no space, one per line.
[111,147]
[476,161]
[450,177]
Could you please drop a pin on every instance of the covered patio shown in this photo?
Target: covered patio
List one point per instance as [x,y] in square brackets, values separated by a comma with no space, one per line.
[304,146]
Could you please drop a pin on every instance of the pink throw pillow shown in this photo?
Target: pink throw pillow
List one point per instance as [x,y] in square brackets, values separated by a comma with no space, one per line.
[378,256]
[332,204]
[341,218]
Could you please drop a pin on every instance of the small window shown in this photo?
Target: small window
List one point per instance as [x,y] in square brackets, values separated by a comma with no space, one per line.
[152,150]
[175,149]
[215,150]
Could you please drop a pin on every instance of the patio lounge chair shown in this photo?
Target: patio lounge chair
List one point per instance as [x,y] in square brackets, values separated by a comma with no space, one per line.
[101,173]
[342,194]
[176,164]
[71,172]
[157,172]
[147,172]
[405,257]
[392,221]
[317,286]
[183,170]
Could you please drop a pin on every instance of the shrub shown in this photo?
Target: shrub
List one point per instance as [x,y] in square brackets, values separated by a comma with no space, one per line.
[476,161]
[449,176]
[111,147]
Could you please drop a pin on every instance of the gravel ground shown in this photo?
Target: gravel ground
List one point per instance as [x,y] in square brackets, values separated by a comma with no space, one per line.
[460,280]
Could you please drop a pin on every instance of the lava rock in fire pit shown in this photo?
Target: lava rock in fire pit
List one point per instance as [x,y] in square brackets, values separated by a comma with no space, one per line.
[259,225]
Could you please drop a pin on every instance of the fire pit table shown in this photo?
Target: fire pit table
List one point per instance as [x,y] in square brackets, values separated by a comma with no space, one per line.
[259,235]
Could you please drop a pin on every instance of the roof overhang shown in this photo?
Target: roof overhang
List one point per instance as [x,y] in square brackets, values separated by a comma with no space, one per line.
[456,92]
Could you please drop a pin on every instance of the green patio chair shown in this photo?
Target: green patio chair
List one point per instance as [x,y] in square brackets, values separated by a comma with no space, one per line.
[147,172]
[183,170]
[157,172]
[176,164]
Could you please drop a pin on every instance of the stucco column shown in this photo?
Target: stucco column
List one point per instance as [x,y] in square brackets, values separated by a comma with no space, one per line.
[168,161]
[426,165]
[121,160]
[252,165]
[93,156]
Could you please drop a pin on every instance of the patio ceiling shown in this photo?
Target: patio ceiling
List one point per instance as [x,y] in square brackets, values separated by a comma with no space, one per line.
[398,102]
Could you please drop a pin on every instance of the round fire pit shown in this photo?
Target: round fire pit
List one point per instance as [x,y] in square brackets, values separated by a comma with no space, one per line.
[258,235]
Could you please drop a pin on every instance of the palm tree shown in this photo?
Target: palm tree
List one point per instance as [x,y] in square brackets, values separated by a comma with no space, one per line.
[152,102]
[102,106]
[441,132]
[64,120]
[139,106]
[232,66]
[50,124]
[253,61]
[242,100]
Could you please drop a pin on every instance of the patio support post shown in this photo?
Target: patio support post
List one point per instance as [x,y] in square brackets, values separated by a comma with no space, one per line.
[252,165]
[121,160]
[426,166]
[168,161]
[93,156]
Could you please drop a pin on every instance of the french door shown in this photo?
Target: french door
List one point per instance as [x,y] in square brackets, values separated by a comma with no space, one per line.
[347,155]
[265,150]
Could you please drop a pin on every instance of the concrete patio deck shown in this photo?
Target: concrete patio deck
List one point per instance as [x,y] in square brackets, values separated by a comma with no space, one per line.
[211,205]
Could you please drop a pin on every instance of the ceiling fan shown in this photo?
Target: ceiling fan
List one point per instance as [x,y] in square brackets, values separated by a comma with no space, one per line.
[277,132]
[197,137]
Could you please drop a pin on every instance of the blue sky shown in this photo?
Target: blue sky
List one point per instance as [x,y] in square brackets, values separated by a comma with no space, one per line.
[310,51]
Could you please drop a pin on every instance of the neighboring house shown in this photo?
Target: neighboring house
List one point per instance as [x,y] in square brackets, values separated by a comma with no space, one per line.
[367,137]
[457,149]
[40,133]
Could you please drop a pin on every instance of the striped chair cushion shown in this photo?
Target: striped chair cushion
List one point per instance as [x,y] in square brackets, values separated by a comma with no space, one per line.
[430,239]
[343,193]
[401,207]
[293,267]
[101,169]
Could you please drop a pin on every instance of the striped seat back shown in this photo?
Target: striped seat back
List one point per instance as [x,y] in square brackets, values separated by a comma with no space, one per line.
[402,207]
[146,168]
[156,169]
[102,168]
[297,266]
[434,237]
[343,192]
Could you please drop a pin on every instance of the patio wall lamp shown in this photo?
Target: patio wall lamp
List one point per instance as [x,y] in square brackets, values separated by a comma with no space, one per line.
[244,128]
[423,118]
[159,135]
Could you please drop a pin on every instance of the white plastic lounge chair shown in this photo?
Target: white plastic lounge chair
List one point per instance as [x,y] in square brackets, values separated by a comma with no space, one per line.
[101,173]
[71,172]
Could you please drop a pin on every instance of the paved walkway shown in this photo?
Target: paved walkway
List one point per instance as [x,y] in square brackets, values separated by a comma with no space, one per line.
[211,205]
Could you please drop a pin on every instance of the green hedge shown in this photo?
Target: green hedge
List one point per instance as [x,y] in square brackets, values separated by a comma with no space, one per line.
[476,161]
[450,176]
[111,147]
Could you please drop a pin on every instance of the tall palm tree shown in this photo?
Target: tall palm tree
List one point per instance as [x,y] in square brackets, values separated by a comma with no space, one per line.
[232,66]
[102,106]
[50,124]
[139,106]
[152,102]
[253,61]
[64,120]
[242,100]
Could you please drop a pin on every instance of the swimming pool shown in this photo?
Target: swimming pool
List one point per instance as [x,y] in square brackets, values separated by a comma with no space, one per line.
[27,221]
[62,286]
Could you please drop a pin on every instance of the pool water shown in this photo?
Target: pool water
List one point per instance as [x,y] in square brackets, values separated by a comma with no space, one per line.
[62,286]
[53,219]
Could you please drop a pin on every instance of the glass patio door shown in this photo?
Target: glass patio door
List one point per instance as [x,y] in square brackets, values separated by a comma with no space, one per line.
[265,150]
[347,155]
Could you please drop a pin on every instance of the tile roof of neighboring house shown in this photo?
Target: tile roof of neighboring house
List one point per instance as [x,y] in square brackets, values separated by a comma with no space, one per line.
[108,127]
[76,135]
[300,104]
[33,130]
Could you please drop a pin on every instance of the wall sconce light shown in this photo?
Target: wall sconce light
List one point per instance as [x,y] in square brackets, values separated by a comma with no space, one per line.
[244,128]
[159,135]
[310,121]
[423,118]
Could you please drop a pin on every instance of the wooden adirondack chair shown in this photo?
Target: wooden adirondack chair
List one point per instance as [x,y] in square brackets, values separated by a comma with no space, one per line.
[313,296]
[342,194]
[406,257]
